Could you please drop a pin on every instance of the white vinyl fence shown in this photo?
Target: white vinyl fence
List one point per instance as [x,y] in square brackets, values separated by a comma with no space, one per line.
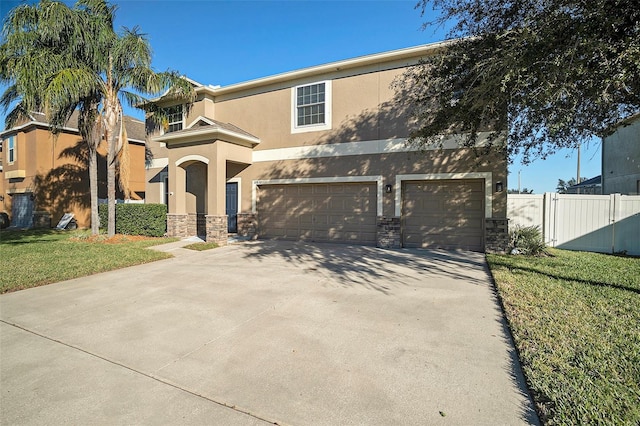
[600,223]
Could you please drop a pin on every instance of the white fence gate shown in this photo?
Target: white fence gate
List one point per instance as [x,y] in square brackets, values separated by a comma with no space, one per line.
[601,223]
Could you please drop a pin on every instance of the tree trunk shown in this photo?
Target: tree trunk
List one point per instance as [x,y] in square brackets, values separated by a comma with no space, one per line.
[111,120]
[93,185]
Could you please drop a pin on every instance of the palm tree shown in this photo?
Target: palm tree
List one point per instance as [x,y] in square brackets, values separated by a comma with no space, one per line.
[93,68]
[39,41]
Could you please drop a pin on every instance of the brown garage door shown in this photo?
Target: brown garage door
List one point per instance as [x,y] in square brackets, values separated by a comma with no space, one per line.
[341,213]
[443,214]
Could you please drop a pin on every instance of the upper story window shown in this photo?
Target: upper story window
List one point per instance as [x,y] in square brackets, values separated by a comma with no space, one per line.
[311,107]
[11,149]
[175,118]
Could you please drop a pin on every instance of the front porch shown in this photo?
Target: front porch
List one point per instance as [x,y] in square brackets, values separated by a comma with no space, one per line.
[204,162]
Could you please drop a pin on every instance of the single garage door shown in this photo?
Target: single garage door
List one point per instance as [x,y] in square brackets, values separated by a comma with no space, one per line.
[340,213]
[443,214]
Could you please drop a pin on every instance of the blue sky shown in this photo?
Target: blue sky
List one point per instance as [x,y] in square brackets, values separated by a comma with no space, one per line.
[226,42]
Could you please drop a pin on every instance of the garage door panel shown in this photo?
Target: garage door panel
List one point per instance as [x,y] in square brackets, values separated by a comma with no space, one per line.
[319,212]
[443,214]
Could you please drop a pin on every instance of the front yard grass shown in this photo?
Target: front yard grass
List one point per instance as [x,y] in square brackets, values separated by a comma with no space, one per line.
[575,319]
[38,257]
[201,246]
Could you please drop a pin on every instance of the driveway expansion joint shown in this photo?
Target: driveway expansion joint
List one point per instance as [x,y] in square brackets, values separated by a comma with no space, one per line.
[147,375]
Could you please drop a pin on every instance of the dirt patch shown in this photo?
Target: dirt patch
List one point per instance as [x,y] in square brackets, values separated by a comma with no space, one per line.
[116,239]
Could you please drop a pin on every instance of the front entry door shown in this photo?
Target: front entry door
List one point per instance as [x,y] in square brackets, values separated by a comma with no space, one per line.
[232,206]
[22,210]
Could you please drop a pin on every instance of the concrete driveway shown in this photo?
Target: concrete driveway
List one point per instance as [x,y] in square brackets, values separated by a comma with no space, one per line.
[265,332]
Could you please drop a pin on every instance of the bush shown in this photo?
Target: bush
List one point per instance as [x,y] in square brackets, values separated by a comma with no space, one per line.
[526,240]
[137,219]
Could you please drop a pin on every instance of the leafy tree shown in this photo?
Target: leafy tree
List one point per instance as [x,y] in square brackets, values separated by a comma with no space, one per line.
[550,74]
[563,186]
[92,68]
[522,191]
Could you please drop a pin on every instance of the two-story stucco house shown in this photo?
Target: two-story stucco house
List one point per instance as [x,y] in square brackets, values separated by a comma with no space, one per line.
[43,177]
[320,154]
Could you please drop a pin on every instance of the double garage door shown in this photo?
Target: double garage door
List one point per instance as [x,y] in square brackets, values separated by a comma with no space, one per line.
[435,214]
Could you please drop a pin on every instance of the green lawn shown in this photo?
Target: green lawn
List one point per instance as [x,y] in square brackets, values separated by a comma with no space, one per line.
[38,257]
[575,318]
[201,246]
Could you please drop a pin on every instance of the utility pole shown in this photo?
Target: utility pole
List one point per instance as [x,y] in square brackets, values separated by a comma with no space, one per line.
[578,171]
[519,181]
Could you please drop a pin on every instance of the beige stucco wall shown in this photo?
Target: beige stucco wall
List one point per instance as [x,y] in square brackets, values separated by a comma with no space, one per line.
[363,108]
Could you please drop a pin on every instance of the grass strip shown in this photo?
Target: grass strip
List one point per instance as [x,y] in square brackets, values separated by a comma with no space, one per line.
[38,257]
[201,246]
[575,318]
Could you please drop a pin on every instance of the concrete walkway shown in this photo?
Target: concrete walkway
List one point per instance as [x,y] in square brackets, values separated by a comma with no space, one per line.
[265,332]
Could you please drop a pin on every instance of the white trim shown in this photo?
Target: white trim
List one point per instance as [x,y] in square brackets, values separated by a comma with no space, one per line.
[295,128]
[35,123]
[488,187]
[201,118]
[13,151]
[192,157]
[198,134]
[409,54]
[382,146]
[163,190]
[159,163]
[237,180]
[336,179]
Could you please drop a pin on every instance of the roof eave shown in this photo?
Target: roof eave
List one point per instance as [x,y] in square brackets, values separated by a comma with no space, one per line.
[361,61]
[212,134]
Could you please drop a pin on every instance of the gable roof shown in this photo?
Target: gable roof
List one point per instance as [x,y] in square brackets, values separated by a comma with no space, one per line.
[136,131]
[203,127]
[594,181]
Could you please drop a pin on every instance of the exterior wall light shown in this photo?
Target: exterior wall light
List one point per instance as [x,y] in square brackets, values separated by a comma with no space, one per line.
[499,186]
[388,189]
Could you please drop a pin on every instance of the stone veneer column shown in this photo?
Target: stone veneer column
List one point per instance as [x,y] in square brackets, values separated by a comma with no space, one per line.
[218,229]
[248,225]
[496,235]
[192,224]
[388,232]
[177,225]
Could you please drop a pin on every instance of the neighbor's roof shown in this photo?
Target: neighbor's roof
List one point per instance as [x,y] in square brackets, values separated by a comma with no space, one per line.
[595,181]
[135,128]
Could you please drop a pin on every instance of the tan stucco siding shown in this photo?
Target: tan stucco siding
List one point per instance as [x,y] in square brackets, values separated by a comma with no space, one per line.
[362,108]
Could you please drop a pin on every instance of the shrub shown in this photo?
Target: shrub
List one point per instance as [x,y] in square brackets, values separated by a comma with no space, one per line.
[526,240]
[137,219]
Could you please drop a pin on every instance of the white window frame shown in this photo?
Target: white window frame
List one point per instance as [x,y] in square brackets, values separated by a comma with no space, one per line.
[11,149]
[169,123]
[327,109]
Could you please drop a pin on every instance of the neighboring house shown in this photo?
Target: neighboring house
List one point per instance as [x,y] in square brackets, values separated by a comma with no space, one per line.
[44,177]
[621,159]
[591,186]
[320,154]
